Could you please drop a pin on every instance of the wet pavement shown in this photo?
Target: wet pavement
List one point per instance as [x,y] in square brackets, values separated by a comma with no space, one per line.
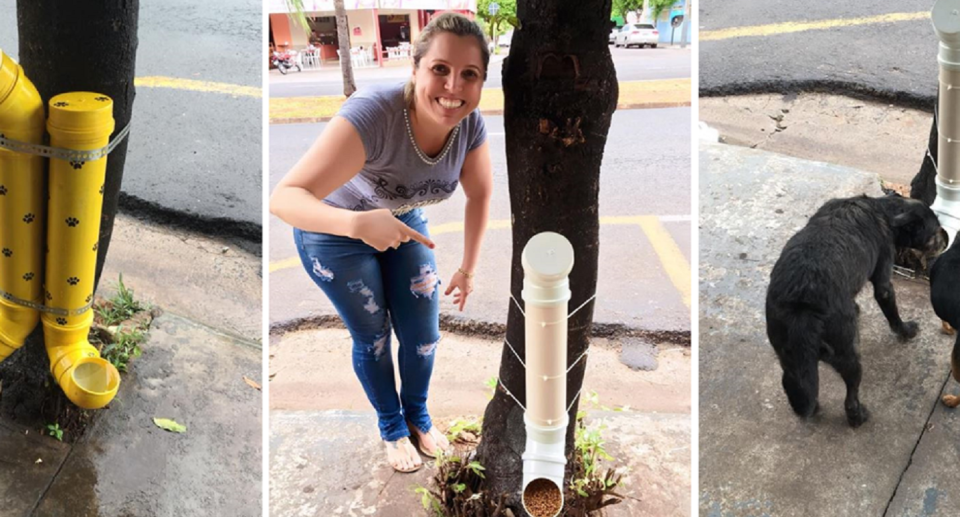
[332,463]
[756,457]
[126,465]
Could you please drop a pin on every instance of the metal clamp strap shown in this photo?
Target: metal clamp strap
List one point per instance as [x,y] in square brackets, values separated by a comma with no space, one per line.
[69,155]
[43,308]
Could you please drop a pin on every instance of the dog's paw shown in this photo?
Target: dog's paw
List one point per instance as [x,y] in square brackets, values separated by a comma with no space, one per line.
[857,417]
[908,330]
[947,329]
[951,400]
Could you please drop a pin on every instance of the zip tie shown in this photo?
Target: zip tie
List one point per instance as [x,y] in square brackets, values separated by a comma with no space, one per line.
[575,397]
[58,153]
[43,308]
[504,388]
[584,354]
[515,353]
[934,162]
[582,305]
[518,305]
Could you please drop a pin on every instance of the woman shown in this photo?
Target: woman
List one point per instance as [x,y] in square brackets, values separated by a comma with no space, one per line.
[354,200]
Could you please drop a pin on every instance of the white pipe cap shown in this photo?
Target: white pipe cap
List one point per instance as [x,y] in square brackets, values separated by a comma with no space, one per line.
[547,260]
[946,21]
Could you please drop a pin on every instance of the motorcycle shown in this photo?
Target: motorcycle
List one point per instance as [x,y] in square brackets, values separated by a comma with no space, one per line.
[285,61]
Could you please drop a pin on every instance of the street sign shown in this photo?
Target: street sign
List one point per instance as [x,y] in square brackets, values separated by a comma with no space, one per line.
[493,8]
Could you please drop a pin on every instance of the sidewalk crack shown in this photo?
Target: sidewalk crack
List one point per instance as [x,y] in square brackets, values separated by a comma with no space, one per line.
[923,431]
[33,511]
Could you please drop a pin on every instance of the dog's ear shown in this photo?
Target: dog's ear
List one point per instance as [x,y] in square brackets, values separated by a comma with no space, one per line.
[901,220]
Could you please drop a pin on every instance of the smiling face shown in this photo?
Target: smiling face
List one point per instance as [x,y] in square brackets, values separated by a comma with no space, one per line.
[448,79]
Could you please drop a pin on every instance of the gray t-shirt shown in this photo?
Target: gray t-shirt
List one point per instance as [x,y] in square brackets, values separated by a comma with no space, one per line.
[394,176]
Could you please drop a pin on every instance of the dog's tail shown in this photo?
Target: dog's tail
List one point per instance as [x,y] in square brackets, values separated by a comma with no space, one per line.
[800,360]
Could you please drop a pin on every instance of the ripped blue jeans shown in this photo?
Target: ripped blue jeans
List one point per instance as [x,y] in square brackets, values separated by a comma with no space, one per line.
[372,290]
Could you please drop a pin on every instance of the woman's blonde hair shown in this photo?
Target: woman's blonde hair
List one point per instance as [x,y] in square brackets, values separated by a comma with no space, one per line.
[453,23]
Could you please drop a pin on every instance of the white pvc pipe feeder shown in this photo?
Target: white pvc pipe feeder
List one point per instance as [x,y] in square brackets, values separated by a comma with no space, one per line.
[547,261]
[946,23]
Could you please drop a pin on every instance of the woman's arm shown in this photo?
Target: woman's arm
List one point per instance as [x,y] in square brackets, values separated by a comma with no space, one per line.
[476,177]
[335,158]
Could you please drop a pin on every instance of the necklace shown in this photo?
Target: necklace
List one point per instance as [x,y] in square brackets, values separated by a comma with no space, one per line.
[423,156]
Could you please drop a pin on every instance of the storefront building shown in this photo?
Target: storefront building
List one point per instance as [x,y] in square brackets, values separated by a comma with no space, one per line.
[381,29]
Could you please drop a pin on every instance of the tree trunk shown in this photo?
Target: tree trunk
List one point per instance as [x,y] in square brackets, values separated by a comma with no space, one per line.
[560,91]
[924,184]
[685,32]
[343,35]
[85,46]
[64,47]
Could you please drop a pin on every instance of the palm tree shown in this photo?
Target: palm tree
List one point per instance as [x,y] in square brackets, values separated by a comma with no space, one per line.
[343,35]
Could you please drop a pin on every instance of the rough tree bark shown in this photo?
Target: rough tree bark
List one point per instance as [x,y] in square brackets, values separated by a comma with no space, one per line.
[560,92]
[924,185]
[343,35]
[64,47]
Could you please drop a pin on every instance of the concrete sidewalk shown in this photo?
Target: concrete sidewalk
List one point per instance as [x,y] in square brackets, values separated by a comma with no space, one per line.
[329,463]
[126,465]
[326,457]
[756,457]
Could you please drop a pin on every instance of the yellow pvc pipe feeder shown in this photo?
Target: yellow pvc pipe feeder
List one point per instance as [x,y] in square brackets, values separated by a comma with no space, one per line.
[79,121]
[21,207]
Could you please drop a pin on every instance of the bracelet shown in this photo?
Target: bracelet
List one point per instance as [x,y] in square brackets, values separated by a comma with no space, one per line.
[464,273]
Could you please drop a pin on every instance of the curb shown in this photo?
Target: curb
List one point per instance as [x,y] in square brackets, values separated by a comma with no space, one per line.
[854,90]
[245,233]
[487,329]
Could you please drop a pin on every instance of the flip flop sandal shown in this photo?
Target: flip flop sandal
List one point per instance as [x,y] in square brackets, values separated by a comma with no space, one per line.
[396,445]
[416,439]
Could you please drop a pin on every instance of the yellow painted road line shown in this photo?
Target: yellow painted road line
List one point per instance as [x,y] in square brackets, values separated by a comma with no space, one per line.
[284,264]
[674,263]
[658,93]
[198,86]
[789,27]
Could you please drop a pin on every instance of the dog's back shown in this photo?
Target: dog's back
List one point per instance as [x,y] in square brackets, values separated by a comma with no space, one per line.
[945,296]
[831,258]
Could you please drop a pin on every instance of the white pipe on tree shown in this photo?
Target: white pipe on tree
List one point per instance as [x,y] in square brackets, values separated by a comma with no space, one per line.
[946,23]
[547,261]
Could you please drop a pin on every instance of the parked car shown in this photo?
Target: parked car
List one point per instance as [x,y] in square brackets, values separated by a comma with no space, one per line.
[639,34]
[504,39]
[613,35]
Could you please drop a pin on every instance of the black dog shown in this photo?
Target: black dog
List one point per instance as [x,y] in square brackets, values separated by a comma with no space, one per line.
[811,308]
[945,297]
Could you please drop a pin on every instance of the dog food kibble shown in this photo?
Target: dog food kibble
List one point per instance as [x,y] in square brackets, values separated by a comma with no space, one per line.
[542,498]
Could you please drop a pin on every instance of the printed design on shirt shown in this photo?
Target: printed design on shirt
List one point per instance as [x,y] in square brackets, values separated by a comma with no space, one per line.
[423,188]
[413,206]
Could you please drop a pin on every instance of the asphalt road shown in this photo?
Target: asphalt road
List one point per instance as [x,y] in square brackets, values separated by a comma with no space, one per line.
[632,64]
[195,154]
[645,172]
[891,60]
